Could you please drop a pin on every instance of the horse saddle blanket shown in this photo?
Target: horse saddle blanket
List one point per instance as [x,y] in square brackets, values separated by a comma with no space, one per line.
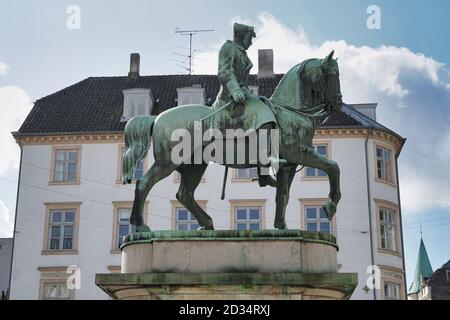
[251,115]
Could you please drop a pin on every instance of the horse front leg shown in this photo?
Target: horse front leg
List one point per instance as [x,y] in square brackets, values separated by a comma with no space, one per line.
[284,180]
[310,158]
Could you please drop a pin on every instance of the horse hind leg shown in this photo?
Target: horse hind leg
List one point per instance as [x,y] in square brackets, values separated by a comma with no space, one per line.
[191,176]
[156,173]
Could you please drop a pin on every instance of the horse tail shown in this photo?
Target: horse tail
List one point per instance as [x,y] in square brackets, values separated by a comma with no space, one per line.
[137,143]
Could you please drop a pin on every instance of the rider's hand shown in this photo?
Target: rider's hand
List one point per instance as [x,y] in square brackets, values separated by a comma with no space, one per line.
[238,96]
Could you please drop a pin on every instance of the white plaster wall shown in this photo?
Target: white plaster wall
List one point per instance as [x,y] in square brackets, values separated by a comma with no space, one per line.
[98,189]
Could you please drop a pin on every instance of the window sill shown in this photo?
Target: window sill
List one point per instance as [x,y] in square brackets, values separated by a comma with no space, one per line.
[115,251]
[121,183]
[305,178]
[178,180]
[59,252]
[390,183]
[243,180]
[392,252]
[64,183]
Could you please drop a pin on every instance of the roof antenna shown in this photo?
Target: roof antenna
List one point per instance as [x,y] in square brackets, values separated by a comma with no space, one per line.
[420,225]
[190,33]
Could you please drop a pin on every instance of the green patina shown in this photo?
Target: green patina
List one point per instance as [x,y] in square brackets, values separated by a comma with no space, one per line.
[241,282]
[231,235]
[310,90]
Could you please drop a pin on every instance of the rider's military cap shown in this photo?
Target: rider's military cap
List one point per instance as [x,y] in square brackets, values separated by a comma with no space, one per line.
[242,28]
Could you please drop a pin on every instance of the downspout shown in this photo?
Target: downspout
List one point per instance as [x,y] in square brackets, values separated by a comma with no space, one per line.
[15,221]
[369,206]
[400,218]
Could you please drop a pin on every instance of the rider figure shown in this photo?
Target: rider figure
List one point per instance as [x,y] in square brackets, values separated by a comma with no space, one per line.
[234,67]
[234,70]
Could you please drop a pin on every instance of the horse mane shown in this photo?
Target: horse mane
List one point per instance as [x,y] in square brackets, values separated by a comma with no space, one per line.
[289,89]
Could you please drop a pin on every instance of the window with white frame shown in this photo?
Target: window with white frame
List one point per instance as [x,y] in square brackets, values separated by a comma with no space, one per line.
[387,229]
[139,171]
[321,149]
[247,218]
[56,291]
[136,101]
[124,227]
[191,95]
[61,229]
[247,173]
[384,164]
[391,291]
[66,165]
[316,219]
[185,220]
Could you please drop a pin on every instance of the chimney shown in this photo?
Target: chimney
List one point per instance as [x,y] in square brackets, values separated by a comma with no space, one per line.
[135,60]
[265,63]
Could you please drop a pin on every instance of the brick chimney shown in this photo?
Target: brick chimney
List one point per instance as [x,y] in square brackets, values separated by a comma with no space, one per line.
[135,61]
[265,63]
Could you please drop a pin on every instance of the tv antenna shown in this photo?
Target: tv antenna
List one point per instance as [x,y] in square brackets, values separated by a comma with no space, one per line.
[190,33]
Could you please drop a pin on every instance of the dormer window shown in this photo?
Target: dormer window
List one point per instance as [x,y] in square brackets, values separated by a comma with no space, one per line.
[136,101]
[191,95]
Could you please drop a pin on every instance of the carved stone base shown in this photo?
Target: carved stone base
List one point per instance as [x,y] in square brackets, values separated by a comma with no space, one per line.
[265,264]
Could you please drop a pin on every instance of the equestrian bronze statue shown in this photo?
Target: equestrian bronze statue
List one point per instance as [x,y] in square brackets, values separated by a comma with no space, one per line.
[308,91]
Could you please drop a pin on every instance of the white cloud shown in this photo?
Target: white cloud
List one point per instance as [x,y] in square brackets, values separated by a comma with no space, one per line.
[3,68]
[372,75]
[374,70]
[15,104]
[6,224]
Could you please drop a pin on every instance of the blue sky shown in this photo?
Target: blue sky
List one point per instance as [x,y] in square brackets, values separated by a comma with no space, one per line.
[404,67]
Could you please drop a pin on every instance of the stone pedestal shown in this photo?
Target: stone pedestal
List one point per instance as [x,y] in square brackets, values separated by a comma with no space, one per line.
[265,264]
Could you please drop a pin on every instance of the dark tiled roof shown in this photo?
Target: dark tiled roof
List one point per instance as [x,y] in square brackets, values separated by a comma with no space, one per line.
[96,103]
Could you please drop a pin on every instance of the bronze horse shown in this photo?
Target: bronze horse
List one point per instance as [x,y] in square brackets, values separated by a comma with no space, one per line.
[308,89]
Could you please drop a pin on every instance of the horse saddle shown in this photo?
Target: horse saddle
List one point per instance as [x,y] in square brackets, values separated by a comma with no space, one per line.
[251,115]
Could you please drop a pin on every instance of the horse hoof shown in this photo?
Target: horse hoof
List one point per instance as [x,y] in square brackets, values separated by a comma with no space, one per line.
[330,210]
[281,226]
[142,228]
[205,228]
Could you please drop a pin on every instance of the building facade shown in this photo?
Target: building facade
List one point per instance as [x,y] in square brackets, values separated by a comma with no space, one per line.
[73,210]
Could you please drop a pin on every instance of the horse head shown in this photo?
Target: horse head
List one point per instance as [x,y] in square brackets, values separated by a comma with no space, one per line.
[330,76]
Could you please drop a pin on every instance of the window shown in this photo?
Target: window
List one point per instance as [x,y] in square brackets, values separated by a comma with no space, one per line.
[387,229]
[53,283]
[384,164]
[247,218]
[66,165]
[124,226]
[184,220]
[61,229]
[247,173]
[56,291]
[391,291]
[447,275]
[321,149]
[138,173]
[316,220]
[136,101]
[121,223]
[191,95]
